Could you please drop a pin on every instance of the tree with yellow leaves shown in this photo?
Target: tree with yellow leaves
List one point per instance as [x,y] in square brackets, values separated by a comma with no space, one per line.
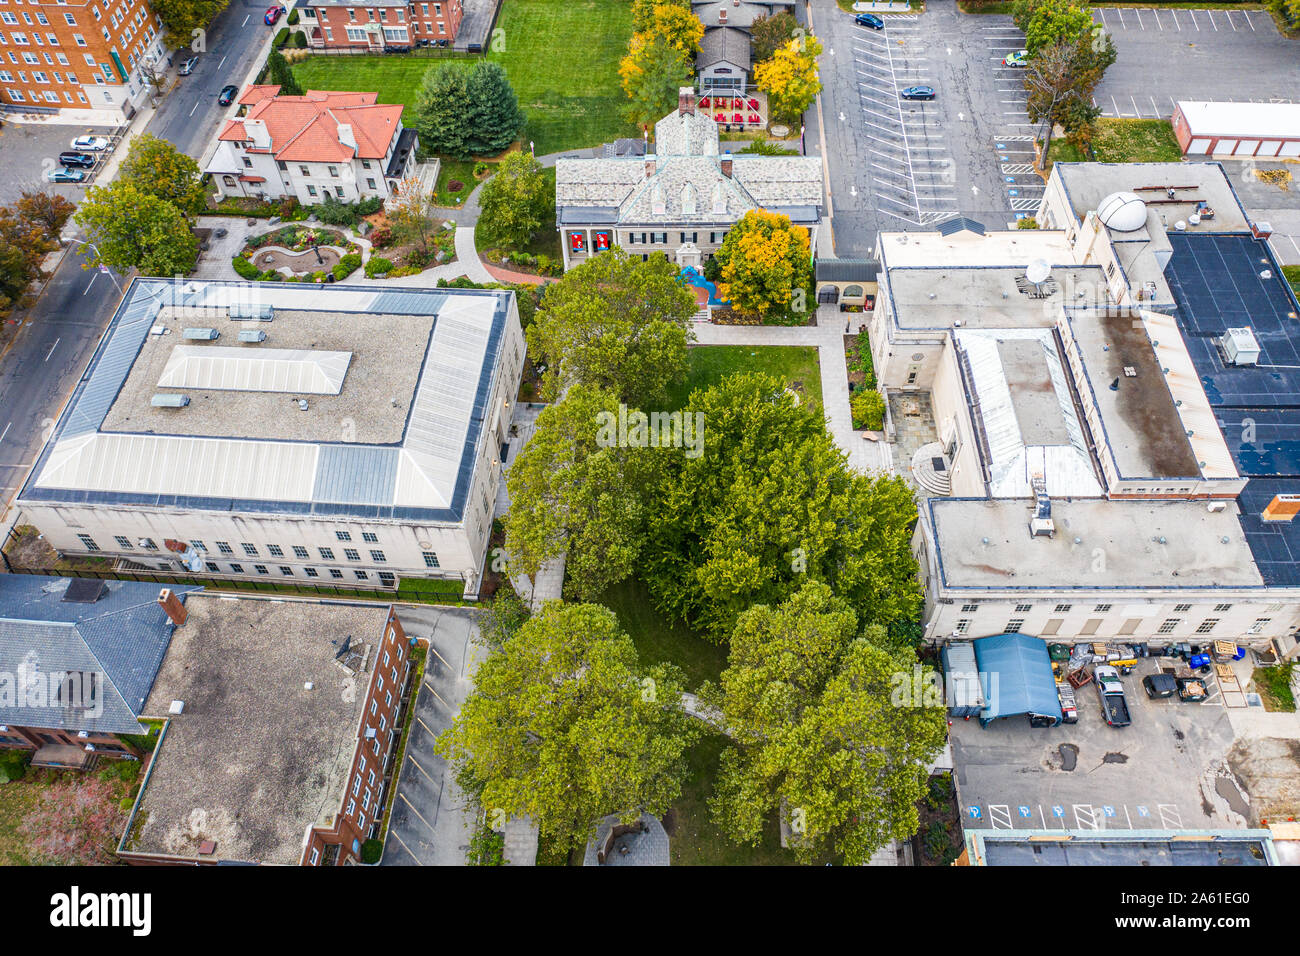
[765,268]
[659,59]
[790,78]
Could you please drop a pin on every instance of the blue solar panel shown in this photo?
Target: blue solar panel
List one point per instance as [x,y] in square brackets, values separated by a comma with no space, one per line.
[1218,284]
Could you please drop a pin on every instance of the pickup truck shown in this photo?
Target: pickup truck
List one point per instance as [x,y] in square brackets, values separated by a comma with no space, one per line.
[1111,691]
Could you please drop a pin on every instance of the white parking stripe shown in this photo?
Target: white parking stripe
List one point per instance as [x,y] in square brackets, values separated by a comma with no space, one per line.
[1250,21]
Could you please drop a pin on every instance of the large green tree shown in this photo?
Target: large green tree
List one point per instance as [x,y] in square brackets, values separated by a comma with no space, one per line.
[572,492]
[1060,79]
[643,12]
[494,119]
[565,726]
[442,105]
[515,203]
[135,230]
[156,167]
[765,268]
[1048,22]
[617,323]
[279,72]
[182,17]
[768,34]
[821,735]
[653,73]
[769,505]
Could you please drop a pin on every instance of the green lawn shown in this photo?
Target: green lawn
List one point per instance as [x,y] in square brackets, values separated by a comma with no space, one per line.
[1125,141]
[709,364]
[657,639]
[561,56]
[1292,274]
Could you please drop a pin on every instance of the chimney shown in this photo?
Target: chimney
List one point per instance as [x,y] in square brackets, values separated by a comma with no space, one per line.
[649,165]
[346,136]
[170,603]
[722,16]
[1261,230]
[257,133]
[1282,508]
[724,163]
[686,100]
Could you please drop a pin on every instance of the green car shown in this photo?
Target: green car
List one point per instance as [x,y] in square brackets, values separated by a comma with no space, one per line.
[1019,58]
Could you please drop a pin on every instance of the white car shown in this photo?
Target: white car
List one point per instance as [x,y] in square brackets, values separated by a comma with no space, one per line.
[93,143]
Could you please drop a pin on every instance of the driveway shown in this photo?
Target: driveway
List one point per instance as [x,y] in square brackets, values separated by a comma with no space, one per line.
[1168,770]
[1169,55]
[431,824]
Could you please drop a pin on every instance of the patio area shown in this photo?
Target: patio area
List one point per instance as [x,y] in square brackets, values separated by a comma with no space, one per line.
[736,112]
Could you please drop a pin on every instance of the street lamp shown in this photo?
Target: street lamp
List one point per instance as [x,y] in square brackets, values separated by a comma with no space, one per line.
[103,268]
[803,147]
[531,148]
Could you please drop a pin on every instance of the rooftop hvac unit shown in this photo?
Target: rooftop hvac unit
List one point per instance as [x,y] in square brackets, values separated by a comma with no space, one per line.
[1041,524]
[252,335]
[169,400]
[202,335]
[248,310]
[1240,347]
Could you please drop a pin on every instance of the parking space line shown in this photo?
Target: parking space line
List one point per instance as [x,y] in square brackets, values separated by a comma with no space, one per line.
[1228,14]
[1085,817]
[1249,20]
[1000,816]
[1168,812]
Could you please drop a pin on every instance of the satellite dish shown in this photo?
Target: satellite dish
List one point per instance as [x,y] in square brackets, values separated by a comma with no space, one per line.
[1038,271]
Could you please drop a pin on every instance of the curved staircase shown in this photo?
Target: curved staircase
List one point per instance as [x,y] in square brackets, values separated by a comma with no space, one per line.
[930,470]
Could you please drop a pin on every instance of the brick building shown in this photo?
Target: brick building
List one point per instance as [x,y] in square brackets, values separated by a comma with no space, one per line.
[77,661]
[84,55]
[283,722]
[379,23]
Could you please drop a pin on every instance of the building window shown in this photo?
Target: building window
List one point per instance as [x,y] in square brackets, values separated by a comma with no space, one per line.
[260,569]
[369,537]
[343,535]
[362,576]
[199,546]
[387,579]
[1023,608]
[351,554]
[1014,625]
[1167,627]
[315,856]
[250,550]
[1223,607]
[377,557]
[431,559]
[124,542]
[310,572]
[275,551]
[1101,609]
[88,542]
[237,569]
[336,573]
[1207,625]
[286,570]
[1259,625]
[326,554]
[334,171]
[224,547]
[962,627]
[1182,608]
[300,552]
[213,567]
[311,190]
[1063,608]
[969,608]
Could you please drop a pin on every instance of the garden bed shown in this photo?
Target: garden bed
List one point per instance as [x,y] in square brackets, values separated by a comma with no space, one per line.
[938,841]
[389,261]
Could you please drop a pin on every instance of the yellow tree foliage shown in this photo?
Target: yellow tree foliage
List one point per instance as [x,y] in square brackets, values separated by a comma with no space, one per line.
[766,267]
[676,26]
[789,78]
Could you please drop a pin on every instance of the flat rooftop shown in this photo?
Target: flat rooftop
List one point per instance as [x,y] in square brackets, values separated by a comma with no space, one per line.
[1155,849]
[1087,184]
[965,248]
[386,355]
[255,758]
[396,383]
[1142,427]
[992,297]
[985,543]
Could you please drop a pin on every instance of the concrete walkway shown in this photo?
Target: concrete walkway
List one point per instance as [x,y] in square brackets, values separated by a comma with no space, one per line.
[828,338]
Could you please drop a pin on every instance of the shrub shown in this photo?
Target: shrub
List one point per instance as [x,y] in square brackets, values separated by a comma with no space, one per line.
[347,265]
[381,237]
[369,206]
[13,764]
[378,265]
[244,268]
[455,186]
[298,42]
[282,37]
[336,213]
[1029,222]
[293,17]
[868,408]
[288,207]
[480,169]
[371,851]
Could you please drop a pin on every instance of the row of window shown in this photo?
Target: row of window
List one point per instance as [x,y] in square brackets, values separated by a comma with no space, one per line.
[1167,626]
[274,550]
[386,578]
[972,606]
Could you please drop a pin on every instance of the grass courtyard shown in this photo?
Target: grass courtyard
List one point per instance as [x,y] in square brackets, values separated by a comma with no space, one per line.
[1124,141]
[709,364]
[561,56]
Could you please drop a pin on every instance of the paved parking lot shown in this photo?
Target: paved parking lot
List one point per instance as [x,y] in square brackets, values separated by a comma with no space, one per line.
[1168,770]
[1168,55]
[30,150]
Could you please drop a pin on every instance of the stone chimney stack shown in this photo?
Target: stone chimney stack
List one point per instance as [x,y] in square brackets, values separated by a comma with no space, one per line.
[686,100]
[724,163]
[649,165]
[169,602]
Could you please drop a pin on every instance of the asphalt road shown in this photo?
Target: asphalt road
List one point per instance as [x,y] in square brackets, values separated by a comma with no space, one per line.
[61,331]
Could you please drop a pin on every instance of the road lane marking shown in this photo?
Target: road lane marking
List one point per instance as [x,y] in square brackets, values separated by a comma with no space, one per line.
[53,347]
[6,431]
[93,276]
[194,107]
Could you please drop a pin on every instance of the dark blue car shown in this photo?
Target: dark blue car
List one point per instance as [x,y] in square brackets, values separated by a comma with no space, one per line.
[869,20]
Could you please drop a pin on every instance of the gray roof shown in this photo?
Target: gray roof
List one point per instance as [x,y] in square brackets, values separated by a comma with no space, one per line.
[738,15]
[847,270]
[959,224]
[121,637]
[724,45]
[628,146]
[421,472]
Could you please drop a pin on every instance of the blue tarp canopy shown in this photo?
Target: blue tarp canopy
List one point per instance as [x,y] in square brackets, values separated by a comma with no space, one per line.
[1019,677]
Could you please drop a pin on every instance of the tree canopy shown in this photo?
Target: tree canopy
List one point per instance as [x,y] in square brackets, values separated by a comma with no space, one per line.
[182,17]
[516,202]
[133,229]
[565,726]
[29,228]
[617,323]
[279,72]
[765,268]
[771,33]
[442,107]
[495,119]
[789,78]
[156,167]
[652,73]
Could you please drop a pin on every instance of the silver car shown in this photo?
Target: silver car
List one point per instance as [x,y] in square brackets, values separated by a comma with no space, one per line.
[188,66]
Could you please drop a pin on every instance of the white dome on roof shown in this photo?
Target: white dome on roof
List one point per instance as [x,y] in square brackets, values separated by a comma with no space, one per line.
[1123,212]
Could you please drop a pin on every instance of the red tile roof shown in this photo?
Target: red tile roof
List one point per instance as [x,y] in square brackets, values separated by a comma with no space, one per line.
[306,128]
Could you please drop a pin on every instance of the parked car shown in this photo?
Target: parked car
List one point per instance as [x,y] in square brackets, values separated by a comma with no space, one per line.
[273,14]
[917,93]
[93,144]
[869,20]
[1159,686]
[1020,58]
[1114,705]
[66,175]
[80,160]
[227,96]
[188,66]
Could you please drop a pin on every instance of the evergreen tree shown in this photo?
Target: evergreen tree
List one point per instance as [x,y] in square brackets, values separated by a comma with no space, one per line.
[442,106]
[494,118]
[279,72]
